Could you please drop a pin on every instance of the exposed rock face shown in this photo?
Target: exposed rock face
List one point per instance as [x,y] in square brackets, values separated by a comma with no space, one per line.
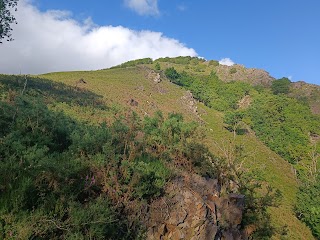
[152,75]
[189,102]
[193,209]
[240,73]
[157,78]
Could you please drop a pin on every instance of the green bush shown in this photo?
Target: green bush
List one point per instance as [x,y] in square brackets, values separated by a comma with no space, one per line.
[284,125]
[134,63]
[307,208]
[181,60]
[281,86]
[172,74]
[233,71]
[213,63]
[157,66]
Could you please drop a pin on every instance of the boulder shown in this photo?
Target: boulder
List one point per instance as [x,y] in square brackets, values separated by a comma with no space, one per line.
[192,208]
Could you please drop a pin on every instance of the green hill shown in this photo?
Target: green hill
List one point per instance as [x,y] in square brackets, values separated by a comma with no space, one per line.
[203,91]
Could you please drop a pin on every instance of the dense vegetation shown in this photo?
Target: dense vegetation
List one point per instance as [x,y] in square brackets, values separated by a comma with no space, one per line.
[134,63]
[284,124]
[73,169]
[61,178]
[7,18]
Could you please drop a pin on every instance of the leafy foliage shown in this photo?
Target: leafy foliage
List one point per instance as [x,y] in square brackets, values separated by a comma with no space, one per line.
[6,18]
[233,119]
[134,63]
[233,70]
[57,170]
[284,124]
[172,74]
[281,86]
[258,198]
[74,180]
[157,66]
[210,89]
[181,60]
[308,209]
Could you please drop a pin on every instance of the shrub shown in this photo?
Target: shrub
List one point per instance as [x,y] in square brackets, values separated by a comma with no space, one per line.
[134,63]
[172,74]
[233,70]
[157,66]
[281,86]
[213,63]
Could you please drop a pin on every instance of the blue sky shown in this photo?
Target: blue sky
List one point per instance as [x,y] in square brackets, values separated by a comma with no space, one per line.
[280,36]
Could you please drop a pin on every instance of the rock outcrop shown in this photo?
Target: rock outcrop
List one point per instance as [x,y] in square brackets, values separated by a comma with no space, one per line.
[240,73]
[192,208]
[189,102]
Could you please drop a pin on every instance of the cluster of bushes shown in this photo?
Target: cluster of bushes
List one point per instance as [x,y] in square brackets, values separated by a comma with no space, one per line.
[284,124]
[281,86]
[134,63]
[60,178]
[210,89]
[182,60]
[307,208]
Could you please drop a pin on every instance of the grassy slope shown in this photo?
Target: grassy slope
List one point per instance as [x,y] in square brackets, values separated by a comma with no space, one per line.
[119,86]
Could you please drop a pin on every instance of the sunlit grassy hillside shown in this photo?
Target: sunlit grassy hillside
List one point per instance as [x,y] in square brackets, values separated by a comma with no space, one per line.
[135,88]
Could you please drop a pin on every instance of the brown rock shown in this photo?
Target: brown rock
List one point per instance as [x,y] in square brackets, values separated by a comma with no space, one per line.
[192,209]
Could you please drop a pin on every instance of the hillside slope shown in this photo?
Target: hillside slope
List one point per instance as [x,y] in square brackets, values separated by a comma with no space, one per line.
[137,88]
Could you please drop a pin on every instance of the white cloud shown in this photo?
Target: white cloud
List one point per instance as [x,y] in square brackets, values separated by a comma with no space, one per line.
[290,78]
[226,61]
[144,7]
[53,41]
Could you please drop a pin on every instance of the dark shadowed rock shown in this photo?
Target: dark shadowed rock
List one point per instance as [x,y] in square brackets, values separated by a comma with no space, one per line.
[133,102]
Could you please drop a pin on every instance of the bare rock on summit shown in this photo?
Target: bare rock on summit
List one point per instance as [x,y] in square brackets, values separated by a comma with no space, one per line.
[240,73]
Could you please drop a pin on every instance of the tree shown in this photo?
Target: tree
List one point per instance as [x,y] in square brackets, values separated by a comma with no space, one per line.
[157,66]
[172,74]
[233,120]
[281,86]
[6,18]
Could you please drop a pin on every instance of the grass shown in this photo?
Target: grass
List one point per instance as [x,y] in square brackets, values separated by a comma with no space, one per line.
[274,169]
[119,86]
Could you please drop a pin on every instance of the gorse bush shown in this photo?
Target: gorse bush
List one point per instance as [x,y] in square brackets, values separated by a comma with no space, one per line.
[181,60]
[210,89]
[307,208]
[286,125]
[134,63]
[281,86]
[74,180]
[62,178]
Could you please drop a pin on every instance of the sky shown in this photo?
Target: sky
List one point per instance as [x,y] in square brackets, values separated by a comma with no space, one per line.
[279,36]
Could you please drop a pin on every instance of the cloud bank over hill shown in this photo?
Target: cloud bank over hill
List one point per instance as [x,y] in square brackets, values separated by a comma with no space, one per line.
[226,61]
[53,41]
